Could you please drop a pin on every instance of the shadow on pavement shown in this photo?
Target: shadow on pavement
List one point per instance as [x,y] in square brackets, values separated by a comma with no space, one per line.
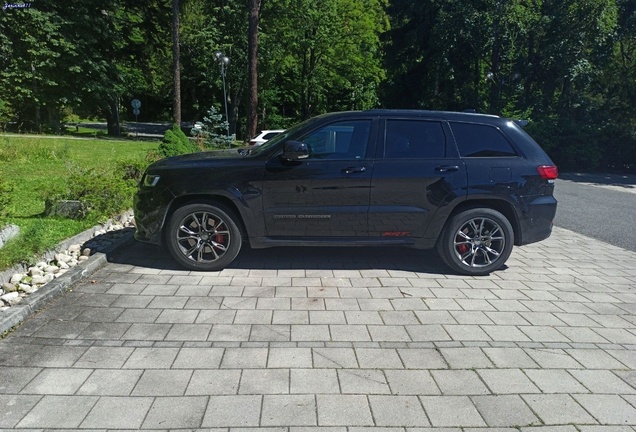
[627,181]
[310,258]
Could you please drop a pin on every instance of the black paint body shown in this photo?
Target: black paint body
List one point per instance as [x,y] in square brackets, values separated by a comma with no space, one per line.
[369,200]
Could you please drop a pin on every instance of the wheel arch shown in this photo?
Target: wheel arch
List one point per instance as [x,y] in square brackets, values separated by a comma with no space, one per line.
[502,206]
[203,199]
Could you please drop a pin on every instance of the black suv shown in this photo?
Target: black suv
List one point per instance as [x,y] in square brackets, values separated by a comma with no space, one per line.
[471,185]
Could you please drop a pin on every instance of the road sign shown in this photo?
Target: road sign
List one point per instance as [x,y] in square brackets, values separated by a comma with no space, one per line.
[136,111]
[136,103]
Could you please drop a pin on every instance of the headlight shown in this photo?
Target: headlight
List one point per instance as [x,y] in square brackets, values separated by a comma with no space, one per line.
[150,180]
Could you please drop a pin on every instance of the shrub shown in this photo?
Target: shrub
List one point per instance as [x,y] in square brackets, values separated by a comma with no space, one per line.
[103,193]
[212,132]
[175,143]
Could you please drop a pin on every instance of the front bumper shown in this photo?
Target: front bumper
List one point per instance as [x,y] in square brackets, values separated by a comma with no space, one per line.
[150,209]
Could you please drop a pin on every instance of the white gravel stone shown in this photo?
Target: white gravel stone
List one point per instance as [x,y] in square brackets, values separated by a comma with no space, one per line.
[39,280]
[86,252]
[9,296]
[63,266]
[63,258]
[34,271]
[75,248]
[51,269]
[83,258]
[72,263]
[16,278]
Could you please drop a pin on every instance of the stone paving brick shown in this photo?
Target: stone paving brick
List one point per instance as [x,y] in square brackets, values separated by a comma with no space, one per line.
[507,381]
[310,333]
[327,317]
[214,382]
[232,411]
[465,358]
[555,381]
[345,410]
[349,333]
[509,358]
[602,381]
[504,333]
[451,411]
[130,413]
[198,358]
[171,412]
[411,382]
[334,358]
[151,358]
[243,358]
[289,358]
[552,358]
[52,412]
[227,332]
[13,379]
[363,317]
[459,382]
[508,410]
[378,358]
[270,333]
[422,359]
[388,333]
[432,332]
[626,357]
[290,317]
[110,383]
[471,317]
[162,383]
[57,381]
[466,333]
[264,381]
[355,381]
[314,381]
[555,409]
[595,359]
[289,410]
[398,411]
[15,407]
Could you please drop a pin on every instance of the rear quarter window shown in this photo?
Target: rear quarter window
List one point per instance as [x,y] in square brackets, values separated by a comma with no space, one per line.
[476,140]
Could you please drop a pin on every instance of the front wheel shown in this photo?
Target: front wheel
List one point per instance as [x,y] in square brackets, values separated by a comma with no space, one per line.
[203,236]
[476,242]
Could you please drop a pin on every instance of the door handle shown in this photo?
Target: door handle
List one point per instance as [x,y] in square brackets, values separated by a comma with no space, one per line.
[447,168]
[351,170]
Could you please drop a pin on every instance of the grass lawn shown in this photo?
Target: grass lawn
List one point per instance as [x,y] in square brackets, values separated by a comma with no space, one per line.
[35,166]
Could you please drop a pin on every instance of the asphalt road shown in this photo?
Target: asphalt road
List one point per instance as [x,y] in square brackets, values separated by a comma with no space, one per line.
[598,206]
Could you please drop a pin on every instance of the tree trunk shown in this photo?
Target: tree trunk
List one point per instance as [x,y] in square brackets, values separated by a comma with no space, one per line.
[176,104]
[252,111]
[113,118]
[38,119]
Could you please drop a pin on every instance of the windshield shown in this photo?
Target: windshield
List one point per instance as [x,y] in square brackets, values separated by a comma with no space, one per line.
[281,137]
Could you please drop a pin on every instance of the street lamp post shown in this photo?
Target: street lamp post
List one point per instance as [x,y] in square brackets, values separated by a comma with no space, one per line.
[223,62]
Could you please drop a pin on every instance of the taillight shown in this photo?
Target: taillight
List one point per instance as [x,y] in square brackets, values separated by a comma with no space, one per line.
[548,172]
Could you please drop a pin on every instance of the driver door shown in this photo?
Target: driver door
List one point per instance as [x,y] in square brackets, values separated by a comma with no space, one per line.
[328,193]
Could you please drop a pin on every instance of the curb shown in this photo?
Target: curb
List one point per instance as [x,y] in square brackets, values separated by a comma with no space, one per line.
[57,287]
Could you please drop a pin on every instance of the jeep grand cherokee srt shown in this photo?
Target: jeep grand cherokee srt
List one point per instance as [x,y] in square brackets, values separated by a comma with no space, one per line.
[470,185]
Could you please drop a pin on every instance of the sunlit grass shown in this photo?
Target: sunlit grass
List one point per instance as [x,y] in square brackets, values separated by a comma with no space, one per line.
[35,166]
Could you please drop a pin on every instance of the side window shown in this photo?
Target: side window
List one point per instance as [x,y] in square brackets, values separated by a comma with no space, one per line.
[342,140]
[476,140]
[414,139]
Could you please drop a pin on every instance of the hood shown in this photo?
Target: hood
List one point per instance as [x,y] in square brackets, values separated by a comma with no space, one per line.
[226,155]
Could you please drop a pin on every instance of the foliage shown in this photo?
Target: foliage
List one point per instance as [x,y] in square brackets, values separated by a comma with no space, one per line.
[212,131]
[32,179]
[175,143]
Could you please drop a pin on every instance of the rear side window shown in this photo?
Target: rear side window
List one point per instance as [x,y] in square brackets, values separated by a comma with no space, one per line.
[414,139]
[476,140]
[270,135]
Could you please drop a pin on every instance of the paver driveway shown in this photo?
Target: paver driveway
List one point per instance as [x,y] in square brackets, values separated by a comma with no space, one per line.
[352,338]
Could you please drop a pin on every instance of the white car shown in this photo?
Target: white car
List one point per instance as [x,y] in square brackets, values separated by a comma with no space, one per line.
[264,136]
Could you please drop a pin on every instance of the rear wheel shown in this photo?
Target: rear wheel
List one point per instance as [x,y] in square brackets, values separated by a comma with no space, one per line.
[476,241]
[204,236]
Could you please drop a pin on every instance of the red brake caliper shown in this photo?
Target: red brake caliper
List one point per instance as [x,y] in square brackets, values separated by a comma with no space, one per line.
[463,248]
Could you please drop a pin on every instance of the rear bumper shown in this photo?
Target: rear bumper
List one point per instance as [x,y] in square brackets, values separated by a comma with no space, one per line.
[536,225]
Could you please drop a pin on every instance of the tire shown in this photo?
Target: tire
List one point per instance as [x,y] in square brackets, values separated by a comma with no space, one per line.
[204,236]
[476,241]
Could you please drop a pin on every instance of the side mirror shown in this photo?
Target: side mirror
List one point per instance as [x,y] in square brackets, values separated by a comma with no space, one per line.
[295,150]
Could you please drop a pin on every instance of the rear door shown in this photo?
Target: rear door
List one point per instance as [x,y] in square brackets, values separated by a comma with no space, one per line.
[416,174]
[327,194]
